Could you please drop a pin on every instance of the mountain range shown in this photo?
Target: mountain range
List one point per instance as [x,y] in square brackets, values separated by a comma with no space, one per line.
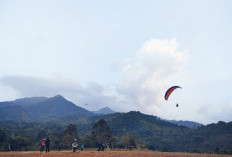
[45,109]
[26,114]
[40,109]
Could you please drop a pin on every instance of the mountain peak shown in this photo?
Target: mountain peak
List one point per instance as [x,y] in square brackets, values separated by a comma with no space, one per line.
[104,110]
[59,96]
[55,107]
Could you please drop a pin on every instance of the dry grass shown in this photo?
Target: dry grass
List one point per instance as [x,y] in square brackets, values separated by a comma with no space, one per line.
[106,154]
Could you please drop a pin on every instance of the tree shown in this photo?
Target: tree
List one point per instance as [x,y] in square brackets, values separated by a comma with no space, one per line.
[151,147]
[101,132]
[113,141]
[71,130]
[42,134]
[19,143]
[88,141]
[68,136]
[128,141]
[165,149]
[3,140]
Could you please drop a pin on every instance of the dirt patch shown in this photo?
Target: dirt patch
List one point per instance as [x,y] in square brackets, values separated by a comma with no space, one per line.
[106,154]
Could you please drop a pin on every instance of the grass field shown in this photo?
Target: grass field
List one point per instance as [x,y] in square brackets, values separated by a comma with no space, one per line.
[106,154]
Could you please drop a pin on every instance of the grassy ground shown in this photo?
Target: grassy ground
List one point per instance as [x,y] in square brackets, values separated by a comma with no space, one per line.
[133,153]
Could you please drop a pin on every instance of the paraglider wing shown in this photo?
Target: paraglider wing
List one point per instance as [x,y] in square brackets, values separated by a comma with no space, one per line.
[169,92]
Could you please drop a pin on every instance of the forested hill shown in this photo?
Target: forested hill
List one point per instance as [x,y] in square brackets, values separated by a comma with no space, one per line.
[44,109]
[159,133]
[55,108]
[146,131]
[31,119]
[40,109]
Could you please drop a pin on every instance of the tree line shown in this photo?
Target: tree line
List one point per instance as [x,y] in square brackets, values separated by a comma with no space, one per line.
[213,138]
[101,134]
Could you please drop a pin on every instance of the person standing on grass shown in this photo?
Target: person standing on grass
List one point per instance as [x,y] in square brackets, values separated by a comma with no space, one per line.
[47,145]
[42,145]
[82,147]
[74,145]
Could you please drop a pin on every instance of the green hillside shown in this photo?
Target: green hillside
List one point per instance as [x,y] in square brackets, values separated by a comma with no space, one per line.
[30,122]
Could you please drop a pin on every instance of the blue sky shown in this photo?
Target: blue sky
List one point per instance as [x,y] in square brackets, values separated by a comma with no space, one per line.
[121,54]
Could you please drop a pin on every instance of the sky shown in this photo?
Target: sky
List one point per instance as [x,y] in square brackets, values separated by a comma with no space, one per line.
[121,54]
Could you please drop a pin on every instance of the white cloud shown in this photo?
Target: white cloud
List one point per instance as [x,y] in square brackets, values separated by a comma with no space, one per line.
[147,76]
[93,94]
[143,81]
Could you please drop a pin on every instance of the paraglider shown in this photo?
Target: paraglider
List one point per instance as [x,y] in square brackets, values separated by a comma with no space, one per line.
[169,92]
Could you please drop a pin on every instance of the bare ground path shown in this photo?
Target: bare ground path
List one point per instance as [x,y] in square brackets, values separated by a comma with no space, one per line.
[106,154]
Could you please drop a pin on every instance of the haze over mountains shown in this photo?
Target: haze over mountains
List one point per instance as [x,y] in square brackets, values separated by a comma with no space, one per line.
[57,107]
